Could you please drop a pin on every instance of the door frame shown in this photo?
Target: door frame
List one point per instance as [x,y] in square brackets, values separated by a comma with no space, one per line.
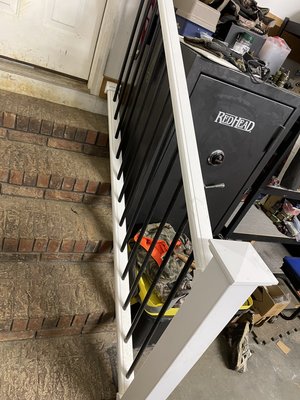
[109,22]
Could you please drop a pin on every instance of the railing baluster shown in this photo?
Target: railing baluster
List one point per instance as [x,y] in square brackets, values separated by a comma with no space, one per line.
[136,21]
[153,244]
[125,132]
[158,274]
[135,73]
[133,192]
[164,308]
[162,149]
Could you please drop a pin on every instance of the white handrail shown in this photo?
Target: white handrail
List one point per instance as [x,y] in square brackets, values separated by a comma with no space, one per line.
[197,210]
[123,317]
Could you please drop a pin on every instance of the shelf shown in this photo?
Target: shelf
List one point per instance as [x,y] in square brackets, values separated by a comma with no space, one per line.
[280,191]
[257,226]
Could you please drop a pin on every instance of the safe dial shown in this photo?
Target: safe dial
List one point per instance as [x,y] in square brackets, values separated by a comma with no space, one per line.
[216,158]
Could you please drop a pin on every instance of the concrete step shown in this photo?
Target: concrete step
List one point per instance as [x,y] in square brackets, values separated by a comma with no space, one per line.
[45,229]
[65,368]
[30,120]
[30,170]
[54,298]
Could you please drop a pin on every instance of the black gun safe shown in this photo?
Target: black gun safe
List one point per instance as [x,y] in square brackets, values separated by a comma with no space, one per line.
[239,124]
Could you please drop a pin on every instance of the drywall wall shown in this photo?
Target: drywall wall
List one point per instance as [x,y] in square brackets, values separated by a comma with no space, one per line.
[283,8]
[119,45]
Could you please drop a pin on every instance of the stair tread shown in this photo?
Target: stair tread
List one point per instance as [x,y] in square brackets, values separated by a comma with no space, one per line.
[35,159]
[38,218]
[46,110]
[53,289]
[66,368]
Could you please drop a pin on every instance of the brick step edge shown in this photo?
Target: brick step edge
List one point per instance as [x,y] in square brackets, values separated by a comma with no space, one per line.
[51,187]
[56,136]
[56,247]
[65,325]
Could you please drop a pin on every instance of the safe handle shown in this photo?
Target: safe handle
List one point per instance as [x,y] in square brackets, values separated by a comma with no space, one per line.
[274,138]
[216,186]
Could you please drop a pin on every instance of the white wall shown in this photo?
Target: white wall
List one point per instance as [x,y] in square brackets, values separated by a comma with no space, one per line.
[123,31]
[283,8]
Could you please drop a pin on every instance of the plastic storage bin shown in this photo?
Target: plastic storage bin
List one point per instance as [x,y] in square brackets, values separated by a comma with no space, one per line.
[274,52]
[194,17]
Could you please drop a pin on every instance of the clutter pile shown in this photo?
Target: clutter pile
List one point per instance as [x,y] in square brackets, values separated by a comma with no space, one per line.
[239,36]
[284,214]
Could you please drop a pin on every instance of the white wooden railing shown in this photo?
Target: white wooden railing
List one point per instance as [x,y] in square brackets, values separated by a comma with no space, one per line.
[228,271]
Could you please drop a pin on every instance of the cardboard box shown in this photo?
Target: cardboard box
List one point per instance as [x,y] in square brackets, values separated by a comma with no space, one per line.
[269,301]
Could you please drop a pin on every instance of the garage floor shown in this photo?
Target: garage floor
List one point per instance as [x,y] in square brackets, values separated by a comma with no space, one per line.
[271,373]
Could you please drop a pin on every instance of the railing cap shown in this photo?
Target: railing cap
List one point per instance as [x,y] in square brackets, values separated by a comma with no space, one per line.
[241,263]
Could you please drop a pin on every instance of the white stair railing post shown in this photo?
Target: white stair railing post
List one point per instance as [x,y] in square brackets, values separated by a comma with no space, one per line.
[217,293]
[123,317]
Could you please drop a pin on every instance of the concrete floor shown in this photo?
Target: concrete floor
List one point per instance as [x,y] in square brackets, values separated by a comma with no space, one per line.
[271,374]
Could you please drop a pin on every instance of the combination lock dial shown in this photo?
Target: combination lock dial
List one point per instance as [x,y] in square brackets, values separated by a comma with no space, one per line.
[216,158]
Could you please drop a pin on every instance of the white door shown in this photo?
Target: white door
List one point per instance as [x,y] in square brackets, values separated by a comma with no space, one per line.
[60,35]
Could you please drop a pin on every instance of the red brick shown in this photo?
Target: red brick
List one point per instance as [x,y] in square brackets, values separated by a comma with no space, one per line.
[104,189]
[91,137]
[58,130]
[92,187]
[40,245]
[92,246]
[67,246]
[27,137]
[46,127]
[35,324]
[3,133]
[59,332]
[26,245]
[68,183]
[80,135]
[43,181]
[5,325]
[90,199]
[9,120]
[79,320]
[55,182]
[62,257]
[102,140]
[107,317]
[34,125]
[7,336]
[65,196]
[64,321]
[10,245]
[69,133]
[95,150]
[64,144]
[80,185]
[105,246]
[92,329]
[19,325]
[4,174]
[93,318]
[29,180]
[23,191]
[22,123]
[16,177]
[50,323]
[79,246]
[53,246]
